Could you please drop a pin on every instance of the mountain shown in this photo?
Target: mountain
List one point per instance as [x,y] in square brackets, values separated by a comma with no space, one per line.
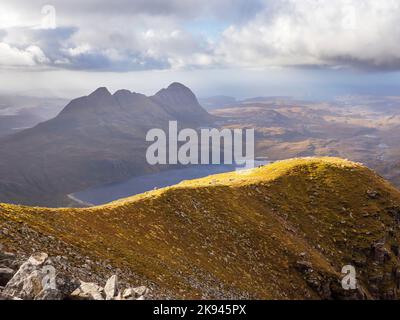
[179,101]
[94,140]
[282,231]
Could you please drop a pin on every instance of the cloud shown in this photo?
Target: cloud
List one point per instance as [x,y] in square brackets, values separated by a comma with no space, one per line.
[14,57]
[145,35]
[152,43]
[338,33]
[68,11]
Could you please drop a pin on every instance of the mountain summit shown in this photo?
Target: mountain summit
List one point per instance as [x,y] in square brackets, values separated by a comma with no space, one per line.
[95,139]
[177,102]
[181,101]
[100,92]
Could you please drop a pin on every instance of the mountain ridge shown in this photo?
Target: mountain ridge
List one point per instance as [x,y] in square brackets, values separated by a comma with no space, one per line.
[282,231]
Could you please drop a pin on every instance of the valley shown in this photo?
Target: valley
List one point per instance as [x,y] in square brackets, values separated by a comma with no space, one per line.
[21,112]
[362,129]
[94,150]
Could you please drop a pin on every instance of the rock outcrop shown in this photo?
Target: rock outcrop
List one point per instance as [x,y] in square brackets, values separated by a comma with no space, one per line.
[111,291]
[37,278]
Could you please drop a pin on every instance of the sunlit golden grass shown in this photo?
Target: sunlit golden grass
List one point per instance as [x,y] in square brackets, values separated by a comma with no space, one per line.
[238,232]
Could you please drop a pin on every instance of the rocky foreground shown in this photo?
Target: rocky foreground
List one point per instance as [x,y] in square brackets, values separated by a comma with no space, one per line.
[283,231]
[37,279]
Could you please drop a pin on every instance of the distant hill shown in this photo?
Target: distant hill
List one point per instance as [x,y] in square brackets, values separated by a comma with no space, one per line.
[96,139]
[221,102]
[21,112]
[283,231]
[217,102]
[10,124]
[269,99]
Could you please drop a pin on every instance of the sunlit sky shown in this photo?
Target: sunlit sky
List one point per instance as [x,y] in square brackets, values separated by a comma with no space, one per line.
[307,48]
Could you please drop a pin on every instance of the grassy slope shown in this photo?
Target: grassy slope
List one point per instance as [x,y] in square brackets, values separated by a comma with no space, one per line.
[235,234]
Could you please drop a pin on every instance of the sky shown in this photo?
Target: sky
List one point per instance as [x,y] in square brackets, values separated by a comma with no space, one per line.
[241,48]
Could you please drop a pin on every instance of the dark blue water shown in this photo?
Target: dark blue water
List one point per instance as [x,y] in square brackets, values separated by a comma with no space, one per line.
[140,184]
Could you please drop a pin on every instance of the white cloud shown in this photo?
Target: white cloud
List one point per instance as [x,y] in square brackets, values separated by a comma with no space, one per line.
[135,35]
[78,50]
[14,57]
[37,54]
[360,33]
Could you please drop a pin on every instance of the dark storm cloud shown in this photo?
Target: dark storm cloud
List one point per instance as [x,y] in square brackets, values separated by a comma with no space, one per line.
[389,64]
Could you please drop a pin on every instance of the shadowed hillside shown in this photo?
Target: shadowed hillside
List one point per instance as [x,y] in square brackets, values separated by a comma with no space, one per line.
[280,231]
[96,139]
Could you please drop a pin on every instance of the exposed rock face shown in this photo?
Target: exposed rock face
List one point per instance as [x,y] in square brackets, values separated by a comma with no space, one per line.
[111,287]
[36,279]
[88,291]
[92,291]
[140,291]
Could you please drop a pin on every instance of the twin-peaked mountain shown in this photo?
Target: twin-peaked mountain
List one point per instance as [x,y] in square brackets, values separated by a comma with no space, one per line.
[176,102]
[96,139]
